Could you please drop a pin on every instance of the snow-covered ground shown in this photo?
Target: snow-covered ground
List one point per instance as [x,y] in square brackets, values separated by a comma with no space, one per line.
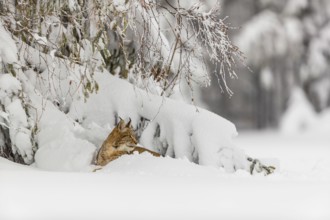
[145,187]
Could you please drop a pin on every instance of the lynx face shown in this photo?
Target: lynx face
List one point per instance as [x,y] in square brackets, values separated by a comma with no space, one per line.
[120,141]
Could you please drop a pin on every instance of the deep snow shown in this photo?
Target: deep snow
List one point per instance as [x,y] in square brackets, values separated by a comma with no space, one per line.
[145,187]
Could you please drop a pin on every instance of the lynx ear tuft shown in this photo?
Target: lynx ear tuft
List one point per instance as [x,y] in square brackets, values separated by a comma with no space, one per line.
[128,123]
[121,123]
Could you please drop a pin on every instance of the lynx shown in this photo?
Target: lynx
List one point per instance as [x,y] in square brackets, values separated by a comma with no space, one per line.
[121,140]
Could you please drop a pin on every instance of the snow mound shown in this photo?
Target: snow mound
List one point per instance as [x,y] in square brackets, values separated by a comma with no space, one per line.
[7,165]
[147,165]
[69,141]
[171,127]
[61,147]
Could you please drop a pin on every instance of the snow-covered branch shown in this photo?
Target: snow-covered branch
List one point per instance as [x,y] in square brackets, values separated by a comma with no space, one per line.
[173,42]
[66,98]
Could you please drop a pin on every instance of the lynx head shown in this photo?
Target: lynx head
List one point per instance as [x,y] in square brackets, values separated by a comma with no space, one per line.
[123,134]
[120,141]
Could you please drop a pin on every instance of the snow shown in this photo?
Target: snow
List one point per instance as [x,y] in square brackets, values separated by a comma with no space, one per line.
[302,155]
[39,39]
[146,187]
[295,6]
[300,116]
[121,5]
[322,90]
[9,87]
[268,35]
[53,29]
[318,61]
[323,122]
[63,151]
[266,78]
[19,134]
[15,117]
[59,147]
[182,127]
[45,103]
[8,50]
[293,30]
[73,5]
[265,34]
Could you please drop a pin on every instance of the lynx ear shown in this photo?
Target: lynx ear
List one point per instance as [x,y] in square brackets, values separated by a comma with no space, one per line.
[121,124]
[128,125]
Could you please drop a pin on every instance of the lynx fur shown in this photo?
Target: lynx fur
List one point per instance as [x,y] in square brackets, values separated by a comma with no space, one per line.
[121,140]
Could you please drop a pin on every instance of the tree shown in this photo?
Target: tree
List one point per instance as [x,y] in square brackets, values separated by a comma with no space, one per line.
[65,67]
[285,43]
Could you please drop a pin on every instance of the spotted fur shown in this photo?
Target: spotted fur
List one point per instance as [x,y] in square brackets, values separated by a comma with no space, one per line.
[120,141]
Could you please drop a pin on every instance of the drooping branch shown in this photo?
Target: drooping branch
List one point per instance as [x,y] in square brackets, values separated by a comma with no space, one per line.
[177,39]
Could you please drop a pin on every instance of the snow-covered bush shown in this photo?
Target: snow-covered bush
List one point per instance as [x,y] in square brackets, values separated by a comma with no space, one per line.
[60,97]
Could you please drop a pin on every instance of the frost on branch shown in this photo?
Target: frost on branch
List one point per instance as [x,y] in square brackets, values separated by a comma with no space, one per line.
[173,43]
